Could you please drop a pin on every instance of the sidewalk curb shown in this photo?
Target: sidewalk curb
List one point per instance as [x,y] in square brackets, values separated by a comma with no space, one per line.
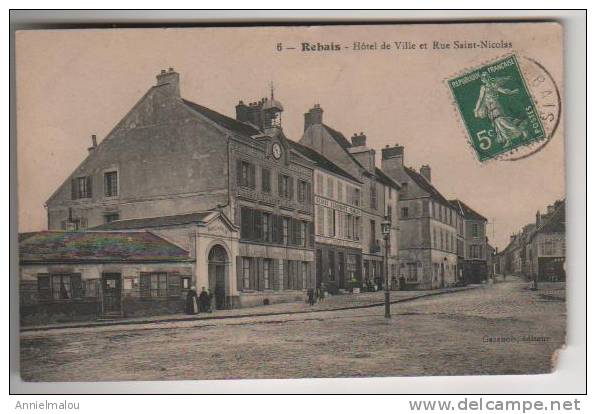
[245,315]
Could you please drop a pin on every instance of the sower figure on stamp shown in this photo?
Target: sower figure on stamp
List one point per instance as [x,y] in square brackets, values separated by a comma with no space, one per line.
[488,105]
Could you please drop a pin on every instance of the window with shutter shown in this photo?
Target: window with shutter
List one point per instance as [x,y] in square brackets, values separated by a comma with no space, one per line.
[246,223]
[89,187]
[252,176]
[258,225]
[44,293]
[290,188]
[266,180]
[239,172]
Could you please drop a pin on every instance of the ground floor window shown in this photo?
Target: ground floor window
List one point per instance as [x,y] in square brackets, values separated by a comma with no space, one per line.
[412,275]
[266,273]
[159,284]
[280,275]
[351,266]
[304,275]
[246,273]
[59,287]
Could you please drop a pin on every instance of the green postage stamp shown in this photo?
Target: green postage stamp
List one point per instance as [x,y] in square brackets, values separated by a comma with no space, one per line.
[496,108]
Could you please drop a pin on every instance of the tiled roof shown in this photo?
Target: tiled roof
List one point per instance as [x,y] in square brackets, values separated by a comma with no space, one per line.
[338,137]
[427,186]
[223,120]
[385,179]
[164,221]
[467,211]
[26,235]
[321,161]
[90,246]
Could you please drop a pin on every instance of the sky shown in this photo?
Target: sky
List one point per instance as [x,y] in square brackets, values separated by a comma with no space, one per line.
[75,83]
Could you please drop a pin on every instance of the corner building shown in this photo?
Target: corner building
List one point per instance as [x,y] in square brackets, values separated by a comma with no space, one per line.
[170,162]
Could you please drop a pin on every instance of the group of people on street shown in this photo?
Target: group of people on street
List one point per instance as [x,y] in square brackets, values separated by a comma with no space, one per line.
[315,295]
[198,303]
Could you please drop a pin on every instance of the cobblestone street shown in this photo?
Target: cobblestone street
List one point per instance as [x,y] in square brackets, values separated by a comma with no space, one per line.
[495,329]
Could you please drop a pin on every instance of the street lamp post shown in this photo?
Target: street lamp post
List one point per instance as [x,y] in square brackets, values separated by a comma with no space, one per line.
[386,230]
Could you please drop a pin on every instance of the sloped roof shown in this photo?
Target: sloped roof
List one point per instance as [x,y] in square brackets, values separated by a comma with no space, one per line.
[321,161]
[343,142]
[164,221]
[338,137]
[427,186]
[467,211]
[223,120]
[90,246]
[385,179]
[554,223]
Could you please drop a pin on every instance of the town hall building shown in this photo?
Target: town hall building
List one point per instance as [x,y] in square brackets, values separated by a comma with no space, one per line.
[234,194]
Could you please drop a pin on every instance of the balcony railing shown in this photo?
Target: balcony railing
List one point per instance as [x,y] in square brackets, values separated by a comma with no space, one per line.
[375,247]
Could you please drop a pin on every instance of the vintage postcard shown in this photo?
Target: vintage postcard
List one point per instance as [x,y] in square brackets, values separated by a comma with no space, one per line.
[291,202]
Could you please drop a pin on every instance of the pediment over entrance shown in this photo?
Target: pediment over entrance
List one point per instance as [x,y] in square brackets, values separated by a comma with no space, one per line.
[218,224]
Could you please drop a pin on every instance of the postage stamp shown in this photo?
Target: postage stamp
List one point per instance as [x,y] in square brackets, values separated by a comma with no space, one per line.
[497,108]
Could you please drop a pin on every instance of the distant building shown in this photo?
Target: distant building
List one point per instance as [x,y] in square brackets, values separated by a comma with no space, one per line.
[538,250]
[546,245]
[428,225]
[474,265]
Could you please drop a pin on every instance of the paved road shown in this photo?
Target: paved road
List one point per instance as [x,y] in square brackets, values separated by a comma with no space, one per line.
[499,329]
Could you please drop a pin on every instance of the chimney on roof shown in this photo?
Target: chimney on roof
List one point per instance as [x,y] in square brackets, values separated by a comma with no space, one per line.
[538,218]
[93,143]
[314,116]
[251,113]
[392,161]
[170,81]
[359,140]
[425,172]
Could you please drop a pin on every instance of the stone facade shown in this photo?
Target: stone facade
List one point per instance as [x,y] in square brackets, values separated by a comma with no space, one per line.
[169,157]
[359,161]
[428,226]
[474,255]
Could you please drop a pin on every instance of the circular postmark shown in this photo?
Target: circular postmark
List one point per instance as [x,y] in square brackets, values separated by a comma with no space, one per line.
[510,107]
[547,99]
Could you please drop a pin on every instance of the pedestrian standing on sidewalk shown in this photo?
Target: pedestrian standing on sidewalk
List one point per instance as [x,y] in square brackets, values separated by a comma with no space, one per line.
[311,296]
[321,294]
[204,300]
[192,305]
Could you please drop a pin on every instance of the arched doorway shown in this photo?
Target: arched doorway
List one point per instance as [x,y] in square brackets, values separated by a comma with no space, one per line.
[218,273]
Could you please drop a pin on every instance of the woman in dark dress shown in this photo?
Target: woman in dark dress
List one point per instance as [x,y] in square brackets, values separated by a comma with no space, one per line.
[192,305]
[204,300]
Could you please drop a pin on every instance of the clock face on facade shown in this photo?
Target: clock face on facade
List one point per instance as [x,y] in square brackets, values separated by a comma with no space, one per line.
[276,151]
